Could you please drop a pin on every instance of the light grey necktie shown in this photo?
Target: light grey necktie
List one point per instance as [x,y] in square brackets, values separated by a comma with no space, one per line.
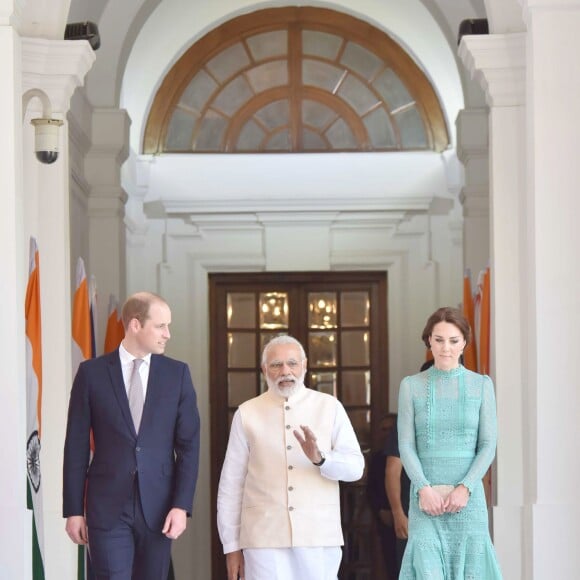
[136,398]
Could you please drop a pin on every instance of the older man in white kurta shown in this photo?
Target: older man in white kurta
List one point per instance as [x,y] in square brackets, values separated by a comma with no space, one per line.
[278,498]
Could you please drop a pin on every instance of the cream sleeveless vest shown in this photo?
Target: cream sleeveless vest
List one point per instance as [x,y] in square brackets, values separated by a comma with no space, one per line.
[286,501]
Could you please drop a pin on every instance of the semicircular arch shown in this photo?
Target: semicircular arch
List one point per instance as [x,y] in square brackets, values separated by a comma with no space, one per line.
[315,61]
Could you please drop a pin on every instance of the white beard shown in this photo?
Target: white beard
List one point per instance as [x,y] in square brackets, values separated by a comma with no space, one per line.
[286,392]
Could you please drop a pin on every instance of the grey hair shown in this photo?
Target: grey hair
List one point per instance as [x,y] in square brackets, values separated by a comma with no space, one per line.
[282,339]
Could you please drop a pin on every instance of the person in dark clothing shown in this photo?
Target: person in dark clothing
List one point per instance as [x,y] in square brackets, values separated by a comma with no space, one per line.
[379,502]
[397,485]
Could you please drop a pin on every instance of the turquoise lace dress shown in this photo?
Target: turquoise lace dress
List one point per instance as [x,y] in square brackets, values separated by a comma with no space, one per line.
[447,435]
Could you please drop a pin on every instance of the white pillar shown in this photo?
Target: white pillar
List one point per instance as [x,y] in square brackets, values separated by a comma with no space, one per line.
[553,174]
[473,152]
[498,63]
[15,524]
[57,68]
[106,208]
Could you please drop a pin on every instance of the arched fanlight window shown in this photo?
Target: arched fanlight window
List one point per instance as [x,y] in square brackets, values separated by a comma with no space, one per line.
[295,80]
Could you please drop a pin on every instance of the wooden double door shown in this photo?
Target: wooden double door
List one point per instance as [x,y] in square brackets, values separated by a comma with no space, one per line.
[341,320]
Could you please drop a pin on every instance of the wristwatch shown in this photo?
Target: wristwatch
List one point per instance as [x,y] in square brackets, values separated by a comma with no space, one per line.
[322,459]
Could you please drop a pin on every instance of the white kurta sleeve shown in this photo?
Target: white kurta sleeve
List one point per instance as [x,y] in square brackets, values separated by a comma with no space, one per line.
[231,487]
[344,461]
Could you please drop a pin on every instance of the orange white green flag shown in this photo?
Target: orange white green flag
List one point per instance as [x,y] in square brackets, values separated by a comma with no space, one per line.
[34,409]
[469,354]
[485,324]
[113,336]
[81,319]
[82,338]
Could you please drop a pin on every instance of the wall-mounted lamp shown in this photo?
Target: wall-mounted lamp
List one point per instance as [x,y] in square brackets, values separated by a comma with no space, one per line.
[45,128]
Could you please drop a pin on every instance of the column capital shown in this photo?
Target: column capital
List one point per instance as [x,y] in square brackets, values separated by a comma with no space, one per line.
[475,200]
[57,67]
[472,134]
[110,134]
[498,63]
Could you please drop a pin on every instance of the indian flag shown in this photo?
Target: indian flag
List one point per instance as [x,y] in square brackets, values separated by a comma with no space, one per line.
[470,353]
[34,409]
[113,335]
[82,349]
[482,303]
[81,319]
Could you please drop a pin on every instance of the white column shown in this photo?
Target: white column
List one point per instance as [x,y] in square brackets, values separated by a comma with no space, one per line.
[15,524]
[106,207]
[498,63]
[473,152]
[57,68]
[553,174]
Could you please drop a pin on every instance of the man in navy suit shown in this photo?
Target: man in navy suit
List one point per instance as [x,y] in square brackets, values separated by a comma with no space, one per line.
[134,496]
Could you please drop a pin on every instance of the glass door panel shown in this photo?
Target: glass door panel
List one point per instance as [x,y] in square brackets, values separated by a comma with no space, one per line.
[241,387]
[361,422]
[355,309]
[241,350]
[355,348]
[274,310]
[356,388]
[323,382]
[322,309]
[241,310]
[322,349]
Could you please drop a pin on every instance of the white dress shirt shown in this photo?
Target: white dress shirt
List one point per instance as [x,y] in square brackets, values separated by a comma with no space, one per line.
[127,367]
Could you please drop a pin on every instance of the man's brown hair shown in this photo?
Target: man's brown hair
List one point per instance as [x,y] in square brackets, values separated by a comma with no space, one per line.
[137,306]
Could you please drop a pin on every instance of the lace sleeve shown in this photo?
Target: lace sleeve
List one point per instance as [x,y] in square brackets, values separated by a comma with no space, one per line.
[486,436]
[407,441]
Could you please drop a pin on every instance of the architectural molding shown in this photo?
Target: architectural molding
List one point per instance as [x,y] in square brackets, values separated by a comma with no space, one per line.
[455,229]
[109,149]
[285,213]
[549,5]
[107,201]
[57,67]
[195,224]
[475,200]
[79,139]
[299,206]
[498,63]
[79,145]
[79,188]
[472,134]
[110,134]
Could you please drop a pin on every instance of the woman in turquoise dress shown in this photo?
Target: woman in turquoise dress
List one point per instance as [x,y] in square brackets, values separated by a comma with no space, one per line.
[447,437]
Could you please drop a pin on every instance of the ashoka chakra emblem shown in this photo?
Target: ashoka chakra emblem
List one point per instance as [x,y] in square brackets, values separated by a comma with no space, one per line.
[33,460]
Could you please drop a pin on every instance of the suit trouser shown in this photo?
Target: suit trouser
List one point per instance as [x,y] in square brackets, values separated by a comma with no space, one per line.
[129,550]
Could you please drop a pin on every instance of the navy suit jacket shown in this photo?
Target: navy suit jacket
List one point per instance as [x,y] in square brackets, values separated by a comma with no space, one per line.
[163,457]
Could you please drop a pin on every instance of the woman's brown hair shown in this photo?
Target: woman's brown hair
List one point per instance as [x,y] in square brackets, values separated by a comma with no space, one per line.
[452,316]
